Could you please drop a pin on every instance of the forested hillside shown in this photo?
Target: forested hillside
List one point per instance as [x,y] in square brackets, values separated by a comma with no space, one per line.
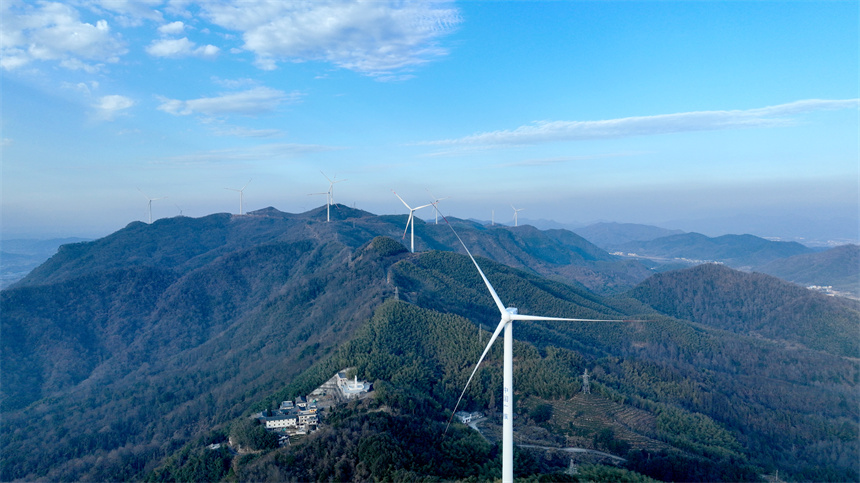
[124,357]
[757,305]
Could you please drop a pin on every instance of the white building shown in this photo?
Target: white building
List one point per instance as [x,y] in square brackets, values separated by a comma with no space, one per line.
[351,389]
[282,421]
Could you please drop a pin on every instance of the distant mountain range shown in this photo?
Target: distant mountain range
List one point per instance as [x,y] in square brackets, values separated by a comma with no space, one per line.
[125,357]
[838,267]
[610,236]
[739,251]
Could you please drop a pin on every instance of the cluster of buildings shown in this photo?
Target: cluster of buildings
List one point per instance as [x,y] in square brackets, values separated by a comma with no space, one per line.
[302,416]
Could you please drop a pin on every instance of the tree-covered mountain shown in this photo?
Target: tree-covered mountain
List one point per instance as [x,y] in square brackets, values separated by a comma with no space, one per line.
[738,251]
[183,243]
[123,357]
[756,304]
[838,267]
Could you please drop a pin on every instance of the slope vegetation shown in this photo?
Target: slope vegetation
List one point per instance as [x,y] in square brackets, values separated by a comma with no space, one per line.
[757,305]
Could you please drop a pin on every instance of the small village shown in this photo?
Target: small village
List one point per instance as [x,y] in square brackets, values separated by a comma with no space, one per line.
[303,416]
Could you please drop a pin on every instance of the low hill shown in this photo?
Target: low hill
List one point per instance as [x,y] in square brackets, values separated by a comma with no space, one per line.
[838,267]
[755,304]
[610,236]
[738,251]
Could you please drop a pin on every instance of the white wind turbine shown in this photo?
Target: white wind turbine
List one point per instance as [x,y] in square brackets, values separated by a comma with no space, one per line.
[241,195]
[508,315]
[149,205]
[411,219]
[516,210]
[330,193]
[436,202]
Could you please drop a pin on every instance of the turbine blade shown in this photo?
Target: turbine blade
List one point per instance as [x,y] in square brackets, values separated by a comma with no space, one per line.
[424,206]
[401,200]
[246,185]
[493,293]
[326,177]
[538,317]
[408,221]
[486,349]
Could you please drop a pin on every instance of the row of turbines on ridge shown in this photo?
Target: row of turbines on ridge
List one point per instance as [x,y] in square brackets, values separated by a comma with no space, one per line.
[330,201]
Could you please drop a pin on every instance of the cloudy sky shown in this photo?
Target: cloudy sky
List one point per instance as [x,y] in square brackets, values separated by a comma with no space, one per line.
[635,111]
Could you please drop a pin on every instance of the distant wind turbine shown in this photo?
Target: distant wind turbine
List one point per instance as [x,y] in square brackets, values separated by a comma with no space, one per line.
[436,202]
[149,204]
[330,193]
[411,219]
[241,195]
[516,210]
[508,315]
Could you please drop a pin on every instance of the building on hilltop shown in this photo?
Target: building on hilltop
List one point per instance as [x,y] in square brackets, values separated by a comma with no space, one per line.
[351,390]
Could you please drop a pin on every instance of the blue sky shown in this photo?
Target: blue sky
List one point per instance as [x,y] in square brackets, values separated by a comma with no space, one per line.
[669,113]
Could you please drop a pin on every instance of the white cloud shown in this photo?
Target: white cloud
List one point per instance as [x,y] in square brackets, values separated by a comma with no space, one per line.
[108,107]
[173,28]
[129,13]
[258,100]
[374,38]
[54,32]
[554,131]
[180,48]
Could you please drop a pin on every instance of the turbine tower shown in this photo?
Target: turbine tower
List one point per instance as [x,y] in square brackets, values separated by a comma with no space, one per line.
[411,219]
[330,193]
[516,210]
[508,315]
[327,205]
[241,195]
[436,202]
[149,204]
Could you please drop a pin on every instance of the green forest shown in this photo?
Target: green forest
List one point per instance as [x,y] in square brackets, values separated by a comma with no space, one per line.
[125,358]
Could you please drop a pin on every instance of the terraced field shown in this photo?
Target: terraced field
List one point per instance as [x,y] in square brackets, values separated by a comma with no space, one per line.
[583,416]
[575,422]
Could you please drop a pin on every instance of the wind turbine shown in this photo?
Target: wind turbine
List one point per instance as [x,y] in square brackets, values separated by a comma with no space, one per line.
[150,200]
[241,194]
[508,315]
[515,214]
[436,202]
[330,197]
[411,219]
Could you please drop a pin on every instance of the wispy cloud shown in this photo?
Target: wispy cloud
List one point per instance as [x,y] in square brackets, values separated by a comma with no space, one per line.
[262,152]
[380,38]
[555,131]
[108,107]
[259,100]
